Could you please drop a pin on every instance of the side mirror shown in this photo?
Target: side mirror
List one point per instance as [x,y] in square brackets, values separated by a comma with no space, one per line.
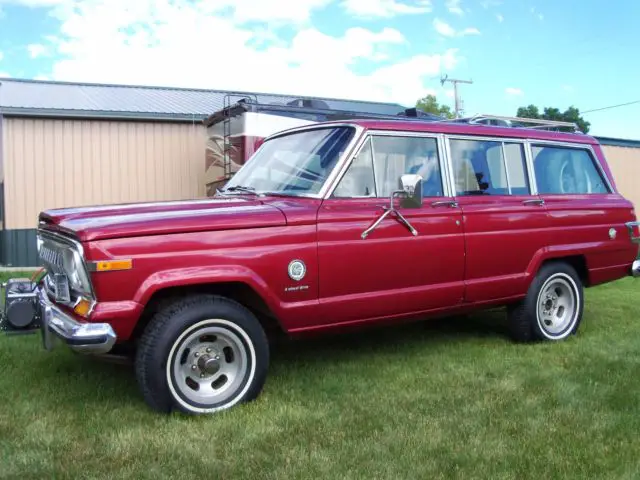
[411,185]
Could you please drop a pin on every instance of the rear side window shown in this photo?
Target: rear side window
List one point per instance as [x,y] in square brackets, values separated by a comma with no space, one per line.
[486,167]
[566,171]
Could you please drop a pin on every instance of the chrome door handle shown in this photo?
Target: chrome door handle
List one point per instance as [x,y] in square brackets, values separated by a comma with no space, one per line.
[445,203]
[537,201]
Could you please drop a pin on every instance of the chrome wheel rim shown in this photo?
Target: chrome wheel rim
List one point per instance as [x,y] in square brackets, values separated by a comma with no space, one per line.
[557,307]
[209,365]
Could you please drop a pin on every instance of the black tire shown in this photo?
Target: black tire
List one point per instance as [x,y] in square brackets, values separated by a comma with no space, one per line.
[169,331]
[525,322]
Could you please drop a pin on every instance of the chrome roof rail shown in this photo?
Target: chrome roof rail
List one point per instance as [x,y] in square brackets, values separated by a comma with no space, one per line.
[519,122]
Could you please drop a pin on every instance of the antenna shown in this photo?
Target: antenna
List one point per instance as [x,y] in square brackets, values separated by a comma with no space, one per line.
[455,81]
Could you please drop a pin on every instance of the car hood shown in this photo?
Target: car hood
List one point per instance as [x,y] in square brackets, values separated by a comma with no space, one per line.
[139,219]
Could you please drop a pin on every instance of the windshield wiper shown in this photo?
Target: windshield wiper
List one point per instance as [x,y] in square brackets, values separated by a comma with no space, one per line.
[240,188]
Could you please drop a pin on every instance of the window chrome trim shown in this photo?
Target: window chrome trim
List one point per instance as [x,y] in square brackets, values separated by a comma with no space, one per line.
[533,182]
[575,146]
[369,134]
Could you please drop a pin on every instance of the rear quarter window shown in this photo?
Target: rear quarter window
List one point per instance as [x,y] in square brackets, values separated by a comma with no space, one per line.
[566,171]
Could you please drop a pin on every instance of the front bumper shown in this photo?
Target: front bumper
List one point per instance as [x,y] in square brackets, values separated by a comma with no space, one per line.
[88,338]
[635,269]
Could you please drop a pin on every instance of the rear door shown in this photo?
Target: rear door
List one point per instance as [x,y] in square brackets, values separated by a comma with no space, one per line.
[390,271]
[506,225]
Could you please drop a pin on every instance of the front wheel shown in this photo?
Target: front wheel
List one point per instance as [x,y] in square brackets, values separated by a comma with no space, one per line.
[553,307]
[201,355]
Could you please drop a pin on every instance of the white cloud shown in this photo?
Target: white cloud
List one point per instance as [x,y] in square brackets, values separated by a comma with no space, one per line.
[540,17]
[514,92]
[447,30]
[33,3]
[443,28]
[385,8]
[41,77]
[1,56]
[36,50]
[4,75]
[500,18]
[191,44]
[454,7]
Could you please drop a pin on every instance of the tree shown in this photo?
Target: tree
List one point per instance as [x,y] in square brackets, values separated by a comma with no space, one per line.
[571,114]
[429,104]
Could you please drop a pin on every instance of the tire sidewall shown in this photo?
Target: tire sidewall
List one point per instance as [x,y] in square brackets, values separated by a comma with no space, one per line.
[201,314]
[548,274]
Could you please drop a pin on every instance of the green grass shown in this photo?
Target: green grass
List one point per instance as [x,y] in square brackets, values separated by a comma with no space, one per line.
[450,398]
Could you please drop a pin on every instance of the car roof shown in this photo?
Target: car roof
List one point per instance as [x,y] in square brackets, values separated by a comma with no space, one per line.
[455,128]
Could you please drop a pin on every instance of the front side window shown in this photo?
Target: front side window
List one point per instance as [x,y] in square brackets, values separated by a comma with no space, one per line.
[486,167]
[295,164]
[376,170]
[564,171]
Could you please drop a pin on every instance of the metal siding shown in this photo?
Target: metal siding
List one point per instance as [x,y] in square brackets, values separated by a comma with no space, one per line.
[61,163]
[19,248]
[625,166]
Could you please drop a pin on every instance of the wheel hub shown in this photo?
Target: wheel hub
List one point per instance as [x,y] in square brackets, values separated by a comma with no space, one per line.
[209,364]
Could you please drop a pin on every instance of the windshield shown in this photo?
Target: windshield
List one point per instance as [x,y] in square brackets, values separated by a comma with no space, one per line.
[294,164]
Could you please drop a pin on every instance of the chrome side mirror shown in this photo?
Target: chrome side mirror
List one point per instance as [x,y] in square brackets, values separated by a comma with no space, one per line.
[411,185]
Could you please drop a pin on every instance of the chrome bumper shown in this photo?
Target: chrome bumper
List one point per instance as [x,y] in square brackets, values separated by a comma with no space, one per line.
[635,269]
[88,338]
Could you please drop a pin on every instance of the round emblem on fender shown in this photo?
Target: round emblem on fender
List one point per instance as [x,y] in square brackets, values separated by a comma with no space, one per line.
[297,270]
[612,233]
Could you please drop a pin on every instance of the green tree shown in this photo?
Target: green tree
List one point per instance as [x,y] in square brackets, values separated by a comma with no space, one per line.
[571,114]
[430,104]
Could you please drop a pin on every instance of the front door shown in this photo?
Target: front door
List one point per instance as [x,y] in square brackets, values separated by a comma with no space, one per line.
[390,271]
[506,226]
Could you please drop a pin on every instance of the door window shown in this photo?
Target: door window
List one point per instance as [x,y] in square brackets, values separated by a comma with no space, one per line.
[376,170]
[561,170]
[486,167]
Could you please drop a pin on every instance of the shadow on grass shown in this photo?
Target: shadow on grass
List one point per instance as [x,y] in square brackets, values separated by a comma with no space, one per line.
[102,383]
[489,324]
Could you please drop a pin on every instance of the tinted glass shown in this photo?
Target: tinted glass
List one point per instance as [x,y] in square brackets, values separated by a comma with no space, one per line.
[388,158]
[358,181]
[485,167]
[561,170]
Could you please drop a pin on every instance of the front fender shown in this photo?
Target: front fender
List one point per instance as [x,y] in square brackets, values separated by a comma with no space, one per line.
[189,276]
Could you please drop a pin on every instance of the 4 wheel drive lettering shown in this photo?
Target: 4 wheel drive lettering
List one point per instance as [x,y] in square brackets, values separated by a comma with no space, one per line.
[475,217]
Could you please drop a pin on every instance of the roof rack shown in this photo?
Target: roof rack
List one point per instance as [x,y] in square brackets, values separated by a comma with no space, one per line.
[520,122]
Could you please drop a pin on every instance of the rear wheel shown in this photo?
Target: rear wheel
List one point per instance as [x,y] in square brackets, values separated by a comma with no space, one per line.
[201,355]
[552,309]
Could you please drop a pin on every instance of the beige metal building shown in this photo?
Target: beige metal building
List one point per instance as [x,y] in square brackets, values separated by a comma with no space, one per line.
[70,144]
[64,144]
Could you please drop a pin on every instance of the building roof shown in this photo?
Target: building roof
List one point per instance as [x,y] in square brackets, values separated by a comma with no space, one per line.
[619,142]
[19,97]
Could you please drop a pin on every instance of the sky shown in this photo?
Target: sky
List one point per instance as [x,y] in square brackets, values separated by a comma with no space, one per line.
[555,53]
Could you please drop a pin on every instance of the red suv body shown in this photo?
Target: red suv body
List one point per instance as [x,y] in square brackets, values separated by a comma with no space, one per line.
[335,225]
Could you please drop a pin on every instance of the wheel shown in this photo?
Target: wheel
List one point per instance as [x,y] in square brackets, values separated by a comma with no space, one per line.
[552,309]
[201,355]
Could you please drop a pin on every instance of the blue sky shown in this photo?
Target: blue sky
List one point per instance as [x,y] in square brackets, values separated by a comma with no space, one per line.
[517,52]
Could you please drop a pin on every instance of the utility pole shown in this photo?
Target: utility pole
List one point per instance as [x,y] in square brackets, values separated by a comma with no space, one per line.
[455,81]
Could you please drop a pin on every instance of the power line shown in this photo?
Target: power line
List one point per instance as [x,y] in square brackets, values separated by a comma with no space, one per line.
[610,107]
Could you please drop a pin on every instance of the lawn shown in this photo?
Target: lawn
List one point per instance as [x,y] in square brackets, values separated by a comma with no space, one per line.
[443,399]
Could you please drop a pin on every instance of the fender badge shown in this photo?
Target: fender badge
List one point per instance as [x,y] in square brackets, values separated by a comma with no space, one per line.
[612,233]
[297,270]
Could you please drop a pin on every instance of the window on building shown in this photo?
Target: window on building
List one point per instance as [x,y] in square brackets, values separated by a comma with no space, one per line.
[561,170]
[383,160]
[486,167]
